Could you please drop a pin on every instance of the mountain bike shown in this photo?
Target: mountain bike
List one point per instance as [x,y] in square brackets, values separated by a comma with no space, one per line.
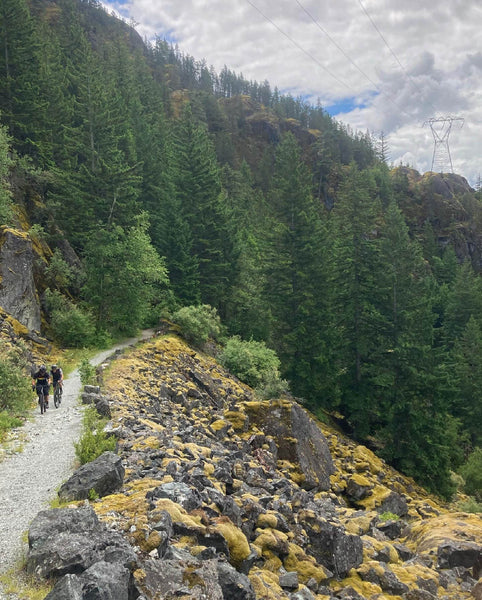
[57,394]
[41,399]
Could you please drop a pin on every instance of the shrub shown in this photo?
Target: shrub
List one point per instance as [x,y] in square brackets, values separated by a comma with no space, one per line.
[255,364]
[472,474]
[94,441]
[15,388]
[72,326]
[87,372]
[198,323]
[470,506]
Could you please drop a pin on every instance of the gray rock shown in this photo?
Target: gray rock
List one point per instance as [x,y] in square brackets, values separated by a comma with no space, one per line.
[66,588]
[70,540]
[234,585]
[102,581]
[18,295]
[394,503]
[190,578]
[460,554]
[289,581]
[298,440]
[332,546]
[187,497]
[104,475]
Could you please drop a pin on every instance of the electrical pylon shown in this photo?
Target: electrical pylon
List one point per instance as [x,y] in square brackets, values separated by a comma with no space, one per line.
[441,128]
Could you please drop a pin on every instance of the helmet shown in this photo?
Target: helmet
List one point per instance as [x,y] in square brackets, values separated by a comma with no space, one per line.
[43,368]
[54,367]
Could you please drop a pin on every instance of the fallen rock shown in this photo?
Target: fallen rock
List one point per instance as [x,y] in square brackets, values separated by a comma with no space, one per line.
[104,475]
[70,540]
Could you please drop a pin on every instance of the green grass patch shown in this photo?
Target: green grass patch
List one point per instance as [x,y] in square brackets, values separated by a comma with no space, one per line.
[94,441]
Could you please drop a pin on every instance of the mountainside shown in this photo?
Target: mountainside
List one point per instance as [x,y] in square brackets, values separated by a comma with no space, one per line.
[221,495]
[137,184]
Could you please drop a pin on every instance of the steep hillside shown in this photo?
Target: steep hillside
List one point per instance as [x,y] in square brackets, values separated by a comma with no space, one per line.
[222,495]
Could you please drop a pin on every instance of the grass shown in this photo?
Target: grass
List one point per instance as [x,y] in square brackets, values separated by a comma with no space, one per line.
[25,587]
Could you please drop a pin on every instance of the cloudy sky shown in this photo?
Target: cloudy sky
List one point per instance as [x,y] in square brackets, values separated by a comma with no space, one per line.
[386,66]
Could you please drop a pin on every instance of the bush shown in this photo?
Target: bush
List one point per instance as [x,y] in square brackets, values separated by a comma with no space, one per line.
[72,326]
[87,372]
[255,364]
[15,386]
[198,323]
[472,474]
[94,440]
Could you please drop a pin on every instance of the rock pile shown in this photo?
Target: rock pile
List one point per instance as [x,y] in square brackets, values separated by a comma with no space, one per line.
[221,495]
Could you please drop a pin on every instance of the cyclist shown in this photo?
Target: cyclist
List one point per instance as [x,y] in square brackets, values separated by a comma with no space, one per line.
[57,378]
[41,380]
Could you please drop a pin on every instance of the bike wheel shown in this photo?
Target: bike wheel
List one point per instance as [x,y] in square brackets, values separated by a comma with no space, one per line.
[41,401]
[57,396]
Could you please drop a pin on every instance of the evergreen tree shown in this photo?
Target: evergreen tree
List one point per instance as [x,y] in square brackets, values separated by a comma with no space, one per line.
[295,284]
[21,105]
[357,297]
[125,276]
[199,192]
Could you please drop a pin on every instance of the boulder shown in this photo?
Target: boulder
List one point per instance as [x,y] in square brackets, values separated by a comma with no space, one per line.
[234,585]
[330,544]
[70,540]
[101,581]
[298,440]
[183,578]
[104,475]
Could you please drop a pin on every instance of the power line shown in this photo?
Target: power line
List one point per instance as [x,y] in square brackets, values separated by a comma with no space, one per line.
[313,58]
[407,74]
[350,59]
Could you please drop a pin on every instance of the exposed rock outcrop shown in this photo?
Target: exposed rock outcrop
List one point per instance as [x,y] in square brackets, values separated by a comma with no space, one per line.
[18,294]
[229,497]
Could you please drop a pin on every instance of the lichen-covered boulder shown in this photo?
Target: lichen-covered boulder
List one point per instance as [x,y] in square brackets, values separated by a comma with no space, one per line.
[179,578]
[104,475]
[298,439]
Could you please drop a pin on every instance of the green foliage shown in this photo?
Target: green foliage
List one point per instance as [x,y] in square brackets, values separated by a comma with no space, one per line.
[125,277]
[72,326]
[5,163]
[94,441]
[15,388]
[470,506]
[255,364]
[198,323]
[87,372]
[389,516]
[471,471]
[58,273]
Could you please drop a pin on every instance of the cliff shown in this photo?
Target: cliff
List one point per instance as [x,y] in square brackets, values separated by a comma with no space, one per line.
[218,494]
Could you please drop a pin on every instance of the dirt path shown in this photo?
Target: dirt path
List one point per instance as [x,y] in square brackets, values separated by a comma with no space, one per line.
[29,478]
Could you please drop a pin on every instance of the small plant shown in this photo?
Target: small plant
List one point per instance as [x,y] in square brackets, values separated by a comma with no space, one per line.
[87,372]
[94,441]
[15,390]
[470,506]
[471,472]
[93,495]
[198,323]
[388,516]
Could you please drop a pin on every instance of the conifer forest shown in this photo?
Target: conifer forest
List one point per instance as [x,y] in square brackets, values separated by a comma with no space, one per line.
[159,183]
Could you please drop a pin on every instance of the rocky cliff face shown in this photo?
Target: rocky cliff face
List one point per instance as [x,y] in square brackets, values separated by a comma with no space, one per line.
[18,294]
[227,496]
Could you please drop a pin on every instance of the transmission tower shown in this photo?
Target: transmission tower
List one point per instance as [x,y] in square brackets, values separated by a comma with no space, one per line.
[441,128]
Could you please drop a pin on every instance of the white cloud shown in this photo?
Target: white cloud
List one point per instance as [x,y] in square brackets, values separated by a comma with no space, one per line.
[413,59]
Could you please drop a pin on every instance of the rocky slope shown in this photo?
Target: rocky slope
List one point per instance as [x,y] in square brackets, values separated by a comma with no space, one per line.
[217,494]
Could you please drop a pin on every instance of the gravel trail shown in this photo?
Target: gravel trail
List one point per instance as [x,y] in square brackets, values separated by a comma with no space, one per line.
[40,459]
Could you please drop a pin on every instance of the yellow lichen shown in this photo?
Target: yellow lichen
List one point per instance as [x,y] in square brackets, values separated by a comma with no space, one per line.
[306,566]
[238,545]
[267,520]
